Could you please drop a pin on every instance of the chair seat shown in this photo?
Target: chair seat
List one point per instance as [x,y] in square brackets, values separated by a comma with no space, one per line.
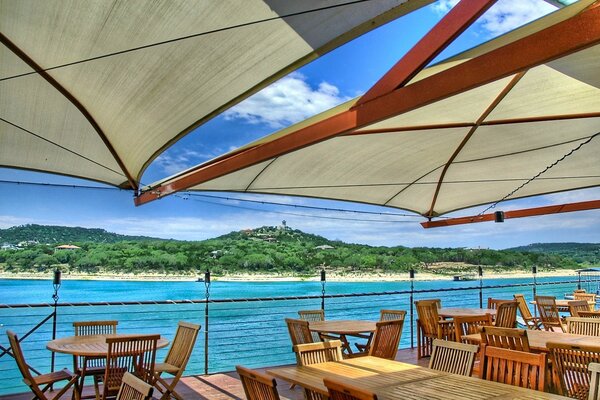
[92,371]
[164,367]
[53,377]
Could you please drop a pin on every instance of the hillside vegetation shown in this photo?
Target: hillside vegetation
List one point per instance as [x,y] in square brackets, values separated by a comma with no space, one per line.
[270,250]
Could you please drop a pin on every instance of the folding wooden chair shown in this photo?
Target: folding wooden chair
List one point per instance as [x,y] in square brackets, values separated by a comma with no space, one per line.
[590,298]
[517,368]
[506,315]
[493,304]
[430,327]
[299,331]
[470,324]
[257,386]
[589,314]
[594,381]
[548,312]
[506,338]
[135,354]
[387,315]
[134,388]
[577,306]
[92,366]
[41,383]
[344,391]
[530,321]
[386,339]
[571,365]
[314,353]
[583,326]
[316,315]
[176,360]
[453,357]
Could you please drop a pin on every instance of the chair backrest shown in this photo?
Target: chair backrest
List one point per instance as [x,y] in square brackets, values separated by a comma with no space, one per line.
[15,345]
[589,297]
[579,291]
[86,328]
[594,381]
[494,303]
[136,354]
[589,314]
[571,364]
[299,331]
[583,326]
[386,339]
[344,391]
[257,386]
[470,324]
[453,357]
[523,307]
[517,368]
[548,312]
[134,388]
[313,353]
[427,312]
[312,315]
[506,315]
[183,345]
[506,338]
[576,306]
[388,315]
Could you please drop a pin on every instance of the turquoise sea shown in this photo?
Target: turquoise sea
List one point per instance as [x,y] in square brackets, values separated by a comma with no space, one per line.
[246,332]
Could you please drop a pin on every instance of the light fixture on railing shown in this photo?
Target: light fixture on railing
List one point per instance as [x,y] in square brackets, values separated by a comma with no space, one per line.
[499,216]
[56,282]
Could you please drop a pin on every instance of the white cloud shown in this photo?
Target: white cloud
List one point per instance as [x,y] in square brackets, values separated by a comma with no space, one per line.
[287,101]
[175,161]
[505,15]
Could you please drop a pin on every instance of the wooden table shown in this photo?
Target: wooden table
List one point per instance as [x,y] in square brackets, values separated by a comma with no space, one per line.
[90,345]
[343,329]
[538,340]
[451,312]
[393,380]
[563,304]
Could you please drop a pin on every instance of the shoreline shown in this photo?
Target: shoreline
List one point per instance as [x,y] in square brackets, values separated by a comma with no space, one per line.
[331,277]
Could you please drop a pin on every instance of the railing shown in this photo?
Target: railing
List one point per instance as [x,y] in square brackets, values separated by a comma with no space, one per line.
[247,331]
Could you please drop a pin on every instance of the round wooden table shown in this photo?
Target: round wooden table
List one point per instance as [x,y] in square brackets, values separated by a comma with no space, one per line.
[451,312]
[344,328]
[90,345]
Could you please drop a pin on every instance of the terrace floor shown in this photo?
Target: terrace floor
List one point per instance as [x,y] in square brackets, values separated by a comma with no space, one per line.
[227,385]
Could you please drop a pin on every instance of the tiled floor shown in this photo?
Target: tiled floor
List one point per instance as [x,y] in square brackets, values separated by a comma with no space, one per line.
[227,385]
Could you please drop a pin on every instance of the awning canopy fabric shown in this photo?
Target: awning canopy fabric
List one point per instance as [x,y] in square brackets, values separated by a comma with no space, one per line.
[521,127]
[97,109]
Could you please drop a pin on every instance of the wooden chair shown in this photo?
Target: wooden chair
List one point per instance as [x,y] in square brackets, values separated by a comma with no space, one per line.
[571,365]
[506,338]
[135,354]
[453,357]
[92,366]
[583,326]
[530,321]
[589,314]
[579,291]
[387,315]
[314,353]
[257,386]
[594,381]
[299,331]
[512,367]
[576,306]
[506,315]
[493,304]
[548,312]
[430,327]
[176,360]
[470,324]
[316,315]
[134,388]
[589,297]
[386,339]
[343,391]
[41,383]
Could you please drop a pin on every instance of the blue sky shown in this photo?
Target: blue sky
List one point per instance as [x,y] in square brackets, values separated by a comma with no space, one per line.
[342,74]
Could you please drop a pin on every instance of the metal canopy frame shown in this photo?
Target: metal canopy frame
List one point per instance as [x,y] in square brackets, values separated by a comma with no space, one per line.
[390,96]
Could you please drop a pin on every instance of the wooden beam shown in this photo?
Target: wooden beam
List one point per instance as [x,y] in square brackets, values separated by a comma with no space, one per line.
[566,37]
[460,17]
[527,212]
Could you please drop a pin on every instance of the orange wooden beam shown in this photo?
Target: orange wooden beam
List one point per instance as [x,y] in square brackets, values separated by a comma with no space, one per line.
[460,17]
[527,212]
[566,37]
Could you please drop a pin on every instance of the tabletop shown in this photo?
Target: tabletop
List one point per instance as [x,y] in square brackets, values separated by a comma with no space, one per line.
[451,312]
[538,340]
[393,380]
[343,327]
[563,303]
[90,345]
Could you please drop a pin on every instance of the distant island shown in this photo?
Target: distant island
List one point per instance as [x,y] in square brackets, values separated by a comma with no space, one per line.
[33,250]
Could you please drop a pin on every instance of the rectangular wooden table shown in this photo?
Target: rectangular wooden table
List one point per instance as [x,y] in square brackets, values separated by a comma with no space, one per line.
[538,340]
[393,380]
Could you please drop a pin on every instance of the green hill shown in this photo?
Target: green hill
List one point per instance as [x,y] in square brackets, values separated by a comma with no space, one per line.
[579,252]
[49,234]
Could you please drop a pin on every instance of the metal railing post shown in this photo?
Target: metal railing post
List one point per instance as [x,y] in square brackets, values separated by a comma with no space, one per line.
[480,287]
[579,280]
[323,280]
[207,286]
[412,319]
[56,284]
[534,272]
